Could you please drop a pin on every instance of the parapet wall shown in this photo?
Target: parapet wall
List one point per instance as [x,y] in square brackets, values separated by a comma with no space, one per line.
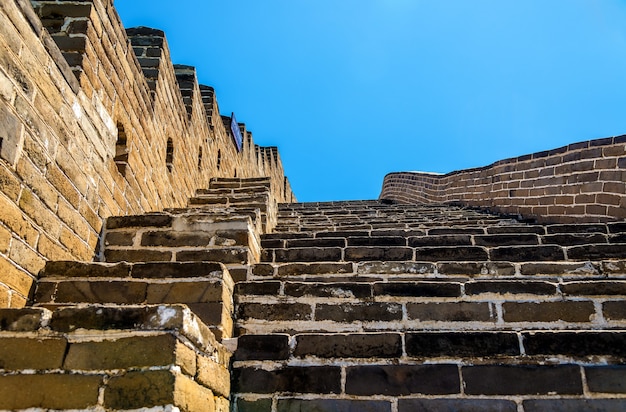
[581,182]
[96,121]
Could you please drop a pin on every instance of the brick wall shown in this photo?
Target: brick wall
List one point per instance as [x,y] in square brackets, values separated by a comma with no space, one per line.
[96,121]
[583,181]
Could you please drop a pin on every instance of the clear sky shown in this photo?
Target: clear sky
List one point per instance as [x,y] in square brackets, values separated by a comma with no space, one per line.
[350,90]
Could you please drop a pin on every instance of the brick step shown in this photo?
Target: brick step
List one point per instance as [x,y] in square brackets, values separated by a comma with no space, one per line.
[236,255]
[411,270]
[205,287]
[467,289]
[338,309]
[109,355]
[232,200]
[437,387]
[224,182]
[417,252]
[530,346]
[225,191]
[494,403]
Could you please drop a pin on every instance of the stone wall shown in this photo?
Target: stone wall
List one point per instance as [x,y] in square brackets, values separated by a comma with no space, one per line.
[96,121]
[583,181]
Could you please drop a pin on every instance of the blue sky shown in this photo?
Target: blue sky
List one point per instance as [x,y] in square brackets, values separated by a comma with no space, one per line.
[350,90]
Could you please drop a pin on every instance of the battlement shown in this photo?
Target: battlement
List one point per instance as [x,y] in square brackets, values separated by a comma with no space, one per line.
[97,121]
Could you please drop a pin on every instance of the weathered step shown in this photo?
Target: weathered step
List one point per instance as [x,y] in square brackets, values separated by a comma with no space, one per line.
[205,287]
[448,382]
[411,270]
[106,355]
[530,345]
[393,249]
[346,304]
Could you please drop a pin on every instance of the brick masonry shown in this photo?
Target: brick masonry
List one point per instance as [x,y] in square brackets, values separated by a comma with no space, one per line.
[96,121]
[581,182]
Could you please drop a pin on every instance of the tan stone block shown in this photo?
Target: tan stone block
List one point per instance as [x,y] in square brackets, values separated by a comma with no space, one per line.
[13,217]
[189,396]
[52,250]
[37,182]
[141,389]
[221,404]
[17,300]
[49,391]
[40,156]
[73,219]
[31,353]
[90,216]
[14,277]
[63,185]
[77,247]
[5,297]
[5,239]
[186,359]
[214,376]
[9,183]
[124,353]
[26,257]
[41,215]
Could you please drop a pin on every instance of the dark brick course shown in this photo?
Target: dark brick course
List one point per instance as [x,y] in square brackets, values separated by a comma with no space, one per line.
[311,379]
[262,347]
[354,345]
[522,379]
[456,405]
[402,380]
[366,312]
[462,344]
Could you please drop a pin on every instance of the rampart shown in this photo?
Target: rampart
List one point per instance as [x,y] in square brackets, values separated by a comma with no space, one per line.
[96,121]
[581,182]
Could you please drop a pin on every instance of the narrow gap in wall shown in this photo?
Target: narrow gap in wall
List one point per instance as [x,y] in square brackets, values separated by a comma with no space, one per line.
[219,159]
[235,173]
[121,150]
[200,158]
[169,155]
[1,140]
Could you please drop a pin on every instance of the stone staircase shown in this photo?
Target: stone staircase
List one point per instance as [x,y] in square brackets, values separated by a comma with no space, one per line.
[365,306]
[145,326]
[338,306]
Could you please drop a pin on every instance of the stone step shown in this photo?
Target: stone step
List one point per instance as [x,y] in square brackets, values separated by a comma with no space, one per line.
[102,357]
[438,387]
[411,270]
[550,347]
[383,314]
[498,403]
[414,251]
[205,287]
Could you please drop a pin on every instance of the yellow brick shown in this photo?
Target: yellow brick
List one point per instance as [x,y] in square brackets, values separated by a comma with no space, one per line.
[37,211]
[15,278]
[189,396]
[63,185]
[17,300]
[49,391]
[9,184]
[214,376]
[221,404]
[13,217]
[26,257]
[77,247]
[31,353]
[4,297]
[5,239]
[52,250]
[37,182]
